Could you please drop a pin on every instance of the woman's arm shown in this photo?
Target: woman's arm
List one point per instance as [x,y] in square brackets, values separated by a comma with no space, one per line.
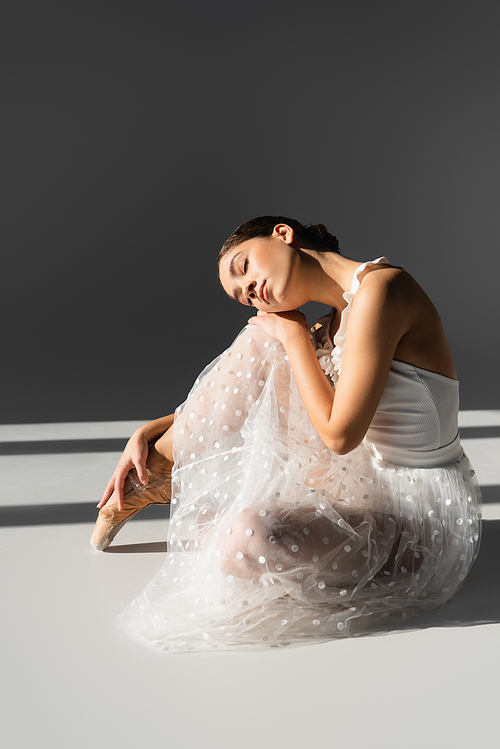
[379,317]
[154,429]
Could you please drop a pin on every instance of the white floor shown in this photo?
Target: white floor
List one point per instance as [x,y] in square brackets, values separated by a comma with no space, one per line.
[70,679]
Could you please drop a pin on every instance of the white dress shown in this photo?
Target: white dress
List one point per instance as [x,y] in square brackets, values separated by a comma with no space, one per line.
[275,540]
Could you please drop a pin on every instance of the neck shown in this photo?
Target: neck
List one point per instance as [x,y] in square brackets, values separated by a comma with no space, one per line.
[328,276]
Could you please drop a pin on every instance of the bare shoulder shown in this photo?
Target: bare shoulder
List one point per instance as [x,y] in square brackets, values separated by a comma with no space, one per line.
[422,339]
[387,279]
[392,289]
[395,287]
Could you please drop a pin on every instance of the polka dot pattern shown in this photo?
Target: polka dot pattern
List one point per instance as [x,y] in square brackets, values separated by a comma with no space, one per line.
[274,539]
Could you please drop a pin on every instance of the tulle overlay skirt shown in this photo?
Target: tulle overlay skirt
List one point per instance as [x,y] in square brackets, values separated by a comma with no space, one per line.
[275,540]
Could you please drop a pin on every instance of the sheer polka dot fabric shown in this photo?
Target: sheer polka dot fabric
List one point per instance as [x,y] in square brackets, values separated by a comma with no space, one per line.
[275,540]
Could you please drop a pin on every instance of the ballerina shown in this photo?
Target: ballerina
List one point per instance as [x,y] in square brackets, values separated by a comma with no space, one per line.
[318,485]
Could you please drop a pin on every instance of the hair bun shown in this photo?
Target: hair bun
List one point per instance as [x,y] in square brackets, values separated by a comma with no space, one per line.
[319,235]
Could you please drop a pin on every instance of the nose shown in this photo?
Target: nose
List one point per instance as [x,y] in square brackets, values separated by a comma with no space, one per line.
[250,290]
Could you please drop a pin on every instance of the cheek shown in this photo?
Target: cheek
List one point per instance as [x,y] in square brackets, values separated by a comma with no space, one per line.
[224,281]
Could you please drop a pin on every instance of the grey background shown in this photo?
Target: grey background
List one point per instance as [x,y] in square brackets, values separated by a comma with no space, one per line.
[136,136]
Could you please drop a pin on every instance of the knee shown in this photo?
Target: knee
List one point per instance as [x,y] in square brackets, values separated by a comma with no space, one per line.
[244,545]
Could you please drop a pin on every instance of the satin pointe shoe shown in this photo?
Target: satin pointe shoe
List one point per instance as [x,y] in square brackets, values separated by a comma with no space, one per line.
[110,519]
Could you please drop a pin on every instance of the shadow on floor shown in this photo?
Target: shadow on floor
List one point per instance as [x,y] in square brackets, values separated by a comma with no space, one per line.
[151,547]
[487,432]
[62,514]
[490,494]
[49,447]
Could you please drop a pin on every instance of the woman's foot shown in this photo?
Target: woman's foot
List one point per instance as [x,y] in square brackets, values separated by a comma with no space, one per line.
[136,496]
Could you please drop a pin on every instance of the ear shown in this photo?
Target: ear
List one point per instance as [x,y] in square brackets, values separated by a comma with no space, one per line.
[284,232]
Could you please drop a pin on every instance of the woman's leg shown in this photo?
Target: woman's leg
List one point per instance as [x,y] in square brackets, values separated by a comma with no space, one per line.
[301,544]
[292,541]
[161,453]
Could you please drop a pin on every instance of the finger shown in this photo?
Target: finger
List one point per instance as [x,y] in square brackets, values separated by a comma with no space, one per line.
[140,467]
[119,492]
[119,484]
[107,492]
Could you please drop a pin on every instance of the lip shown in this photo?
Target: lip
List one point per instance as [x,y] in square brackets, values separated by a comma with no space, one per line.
[263,293]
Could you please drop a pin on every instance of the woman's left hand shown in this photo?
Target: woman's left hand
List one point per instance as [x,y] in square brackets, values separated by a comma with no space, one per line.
[280,325]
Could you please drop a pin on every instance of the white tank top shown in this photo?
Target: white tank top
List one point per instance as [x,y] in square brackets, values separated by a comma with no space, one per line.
[416,421]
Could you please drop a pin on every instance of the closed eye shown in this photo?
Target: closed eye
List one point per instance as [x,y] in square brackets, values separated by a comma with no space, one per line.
[242,270]
[245,268]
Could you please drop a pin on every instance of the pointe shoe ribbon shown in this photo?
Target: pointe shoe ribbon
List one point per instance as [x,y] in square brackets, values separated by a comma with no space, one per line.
[110,519]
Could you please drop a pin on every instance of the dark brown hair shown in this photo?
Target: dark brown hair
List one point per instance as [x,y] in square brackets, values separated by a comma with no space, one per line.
[315,234]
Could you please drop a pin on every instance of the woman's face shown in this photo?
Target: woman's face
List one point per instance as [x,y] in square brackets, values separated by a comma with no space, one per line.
[263,273]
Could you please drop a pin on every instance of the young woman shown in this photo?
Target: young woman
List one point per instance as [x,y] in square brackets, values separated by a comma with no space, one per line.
[319,487]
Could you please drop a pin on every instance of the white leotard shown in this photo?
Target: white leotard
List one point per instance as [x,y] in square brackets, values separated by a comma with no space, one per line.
[416,421]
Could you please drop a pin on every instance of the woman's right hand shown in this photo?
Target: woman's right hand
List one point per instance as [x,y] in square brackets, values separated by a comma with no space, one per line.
[133,456]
